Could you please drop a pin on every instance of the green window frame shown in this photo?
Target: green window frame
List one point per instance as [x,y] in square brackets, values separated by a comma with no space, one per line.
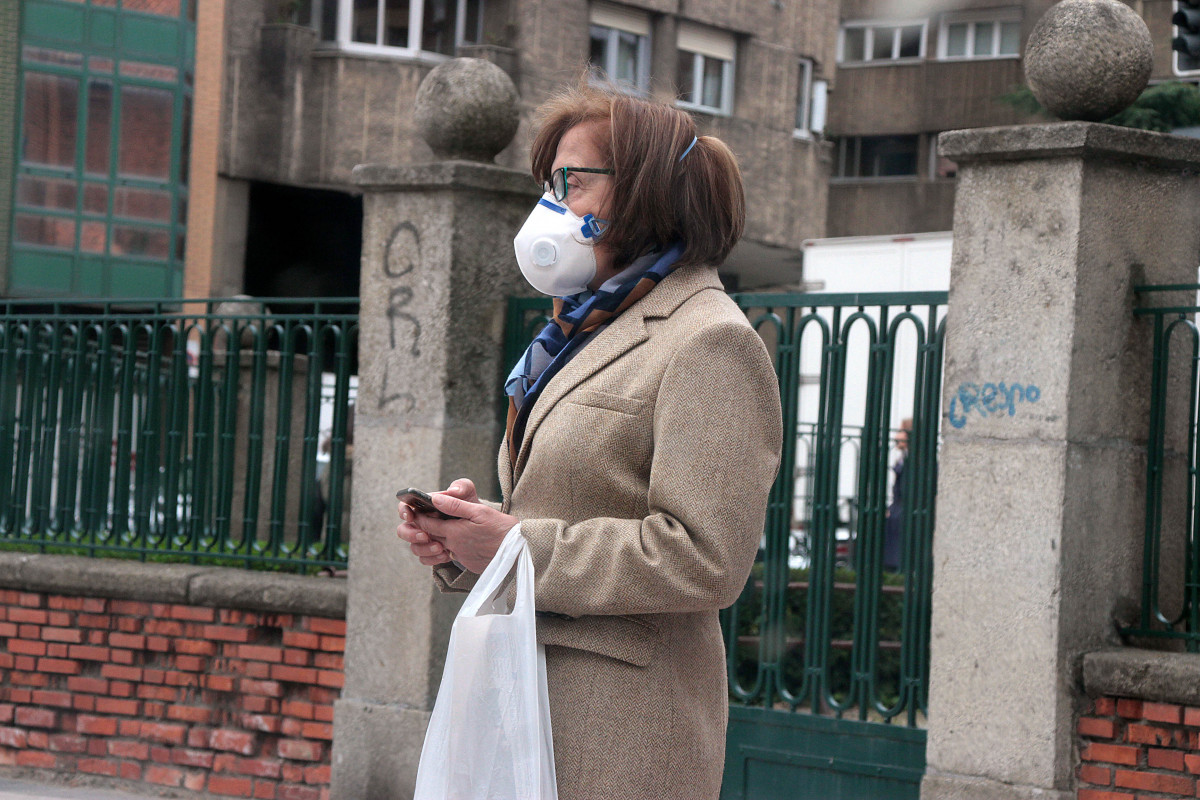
[100,185]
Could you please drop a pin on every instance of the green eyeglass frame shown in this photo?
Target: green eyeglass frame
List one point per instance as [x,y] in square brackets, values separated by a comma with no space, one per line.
[557,185]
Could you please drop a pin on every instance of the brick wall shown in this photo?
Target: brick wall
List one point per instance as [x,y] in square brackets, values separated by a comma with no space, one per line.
[1137,750]
[229,702]
[9,25]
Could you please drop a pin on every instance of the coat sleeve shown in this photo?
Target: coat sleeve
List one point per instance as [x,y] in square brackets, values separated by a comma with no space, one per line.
[717,432]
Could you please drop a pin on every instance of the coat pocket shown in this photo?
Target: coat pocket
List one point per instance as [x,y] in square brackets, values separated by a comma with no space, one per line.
[610,402]
[623,638]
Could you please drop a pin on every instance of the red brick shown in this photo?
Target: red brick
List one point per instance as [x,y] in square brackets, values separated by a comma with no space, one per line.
[1130,709]
[167,776]
[97,766]
[137,750]
[25,663]
[114,705]
[67,743]
[282,672]
[264,790]
[163,693]
[259,767]
[317,774]
[96,605]
[154,710]
[331,678]
[129,727]
[29,599]
[160,755]
[37,717]
[20,695]
[1147,734]
[57,601]
[164,627]
[60,619]
[84,702]
[31,615]
[131,770]
[121,689]
[296,708]
[28,679]
[193,613]
[333,644]
[259,722]
[1191,716]
[259,704]
[1097,728]
[287,792]
[1111,753]
[58,699]
[123,657]
[217,683]
[101,621]
[257,652]
[176,678]
[58,666]
[85,652]
[292,727]
[293,773]
[1162,712]
[303,639]
[132,608]
[299,750]
[228,634]
[7,712]
[230,786]
[7,660]
[1093,794]
[194,780]
[198,737]
[329,661]
[96,637]
[95,726]
[39,740]
[323,713]
[188,757]
[7,630]
[164,733]
[154,675]
[36,758]
[234,741]
[195,647]
[260,670]
[267,688]
[26,647]
[190,713]
[68,635]
[297,658]
[26,631]
[1158,758]
[333,627]
[159,644]
[1174,784]
[317,730]
[13,737]
[130,641]
[86,685]
[121,673]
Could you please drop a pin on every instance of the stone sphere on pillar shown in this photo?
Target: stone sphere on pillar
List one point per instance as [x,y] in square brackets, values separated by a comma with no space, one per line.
[1088,59]
[466,108]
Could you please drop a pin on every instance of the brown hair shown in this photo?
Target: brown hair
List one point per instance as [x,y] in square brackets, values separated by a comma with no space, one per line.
[656,198]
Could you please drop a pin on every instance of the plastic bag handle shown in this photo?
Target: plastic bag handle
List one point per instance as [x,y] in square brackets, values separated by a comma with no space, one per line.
[495,578]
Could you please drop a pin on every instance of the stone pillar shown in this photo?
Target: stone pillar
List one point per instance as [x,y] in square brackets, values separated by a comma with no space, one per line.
[1042,471]
[437,271]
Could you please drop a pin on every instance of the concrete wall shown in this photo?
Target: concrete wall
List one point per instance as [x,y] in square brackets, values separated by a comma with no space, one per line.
[862,208]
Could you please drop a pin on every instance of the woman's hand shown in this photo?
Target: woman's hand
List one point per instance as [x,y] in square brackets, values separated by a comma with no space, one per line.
[472,540]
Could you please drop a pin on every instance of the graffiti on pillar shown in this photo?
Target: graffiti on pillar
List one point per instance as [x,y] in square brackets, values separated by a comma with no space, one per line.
[400,258]
[990,399]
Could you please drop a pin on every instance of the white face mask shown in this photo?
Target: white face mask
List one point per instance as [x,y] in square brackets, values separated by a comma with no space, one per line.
[555,248]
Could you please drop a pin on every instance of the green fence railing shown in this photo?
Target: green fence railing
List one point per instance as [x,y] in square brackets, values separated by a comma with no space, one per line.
[1170,602]
[199,430]
[822,626]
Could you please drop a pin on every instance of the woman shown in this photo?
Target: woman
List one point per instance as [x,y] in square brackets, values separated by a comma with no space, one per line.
[644,436]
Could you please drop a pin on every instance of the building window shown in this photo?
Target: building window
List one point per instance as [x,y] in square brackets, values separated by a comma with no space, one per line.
[620,45]
[706,59]
[881,42]
[810,102]
[980,35]
[873,157]
[397,26]
[940,167]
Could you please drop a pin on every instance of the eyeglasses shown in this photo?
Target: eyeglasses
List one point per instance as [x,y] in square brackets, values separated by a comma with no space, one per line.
[557,185]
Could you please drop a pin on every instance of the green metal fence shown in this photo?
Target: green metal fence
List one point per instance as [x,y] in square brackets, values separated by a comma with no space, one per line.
[195,430]
[1170,603]
[822,627]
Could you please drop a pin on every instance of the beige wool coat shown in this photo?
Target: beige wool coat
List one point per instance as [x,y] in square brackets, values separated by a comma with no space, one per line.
[641,484]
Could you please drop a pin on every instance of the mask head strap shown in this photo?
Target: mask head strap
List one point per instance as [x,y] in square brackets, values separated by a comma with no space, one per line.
[689,147]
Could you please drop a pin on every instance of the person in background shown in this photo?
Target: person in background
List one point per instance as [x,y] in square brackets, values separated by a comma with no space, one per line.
[893,539]
[643,438]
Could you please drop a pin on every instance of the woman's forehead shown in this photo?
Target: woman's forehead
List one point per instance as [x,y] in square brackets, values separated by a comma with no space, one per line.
[578,148]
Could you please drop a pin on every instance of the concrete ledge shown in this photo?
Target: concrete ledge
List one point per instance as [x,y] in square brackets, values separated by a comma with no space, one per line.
[948,786]
[453,175]
[217,587]
[1144,674]
[1067,139]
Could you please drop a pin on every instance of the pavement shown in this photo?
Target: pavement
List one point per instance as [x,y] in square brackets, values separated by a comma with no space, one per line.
[11,789]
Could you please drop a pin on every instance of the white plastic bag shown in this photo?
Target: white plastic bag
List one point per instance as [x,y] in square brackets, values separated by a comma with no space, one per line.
[489,736]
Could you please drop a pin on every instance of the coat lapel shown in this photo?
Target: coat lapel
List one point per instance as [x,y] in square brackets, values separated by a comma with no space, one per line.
[622,335]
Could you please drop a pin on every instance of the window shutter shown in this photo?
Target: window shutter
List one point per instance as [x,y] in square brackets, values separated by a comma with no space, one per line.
[706,41]
[623,19]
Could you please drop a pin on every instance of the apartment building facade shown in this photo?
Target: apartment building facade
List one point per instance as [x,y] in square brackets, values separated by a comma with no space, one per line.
[906,71]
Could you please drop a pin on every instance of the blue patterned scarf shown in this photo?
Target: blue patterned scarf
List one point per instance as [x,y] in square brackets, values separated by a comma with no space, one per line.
[576,319]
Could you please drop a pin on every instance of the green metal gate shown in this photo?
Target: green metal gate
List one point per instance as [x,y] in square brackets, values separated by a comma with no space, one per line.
[828,645]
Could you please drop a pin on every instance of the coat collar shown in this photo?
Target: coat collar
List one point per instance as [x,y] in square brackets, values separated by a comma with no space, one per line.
[624,333]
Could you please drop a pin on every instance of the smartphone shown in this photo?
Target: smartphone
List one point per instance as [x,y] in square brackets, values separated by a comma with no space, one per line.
[421,503]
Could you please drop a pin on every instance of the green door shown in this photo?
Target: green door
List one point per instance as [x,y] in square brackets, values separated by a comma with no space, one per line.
[100,191]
